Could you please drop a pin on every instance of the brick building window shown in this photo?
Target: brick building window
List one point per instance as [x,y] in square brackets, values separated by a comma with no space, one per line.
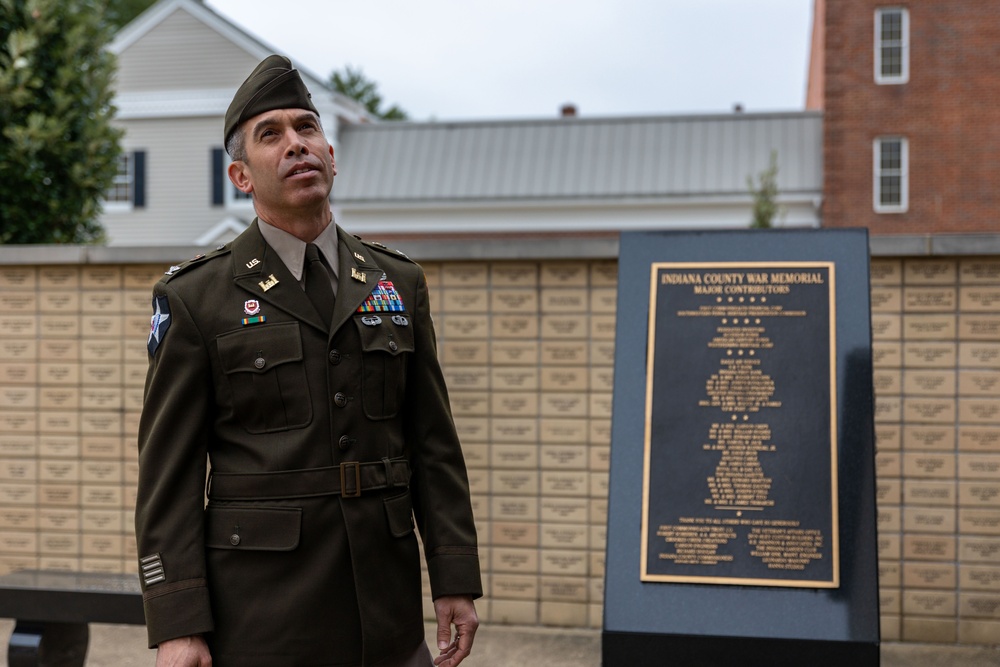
[891,187]
[892,46]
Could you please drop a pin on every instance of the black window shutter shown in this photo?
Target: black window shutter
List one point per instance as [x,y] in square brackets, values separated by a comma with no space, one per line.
[218,183]
[139,179]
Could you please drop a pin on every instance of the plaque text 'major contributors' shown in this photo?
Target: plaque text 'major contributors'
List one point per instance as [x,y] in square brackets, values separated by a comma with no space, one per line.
[739,480]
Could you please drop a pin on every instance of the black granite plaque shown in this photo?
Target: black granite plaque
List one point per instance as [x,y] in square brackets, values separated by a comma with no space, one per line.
[741,518]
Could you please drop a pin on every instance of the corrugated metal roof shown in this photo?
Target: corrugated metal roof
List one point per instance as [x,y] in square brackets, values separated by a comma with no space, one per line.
[577,158]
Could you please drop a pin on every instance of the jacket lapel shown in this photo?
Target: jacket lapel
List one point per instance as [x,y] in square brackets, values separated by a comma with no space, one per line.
[258,270]
[359,275]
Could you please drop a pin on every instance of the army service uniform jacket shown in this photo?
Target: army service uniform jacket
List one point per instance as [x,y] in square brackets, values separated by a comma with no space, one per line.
[324,443]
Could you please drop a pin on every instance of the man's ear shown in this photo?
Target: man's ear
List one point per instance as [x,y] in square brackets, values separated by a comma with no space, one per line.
[240,176]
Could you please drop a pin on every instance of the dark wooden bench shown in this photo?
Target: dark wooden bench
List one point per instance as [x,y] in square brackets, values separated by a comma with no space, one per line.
[53,610]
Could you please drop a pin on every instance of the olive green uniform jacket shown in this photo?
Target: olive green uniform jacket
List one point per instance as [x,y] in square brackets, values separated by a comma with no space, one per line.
[324,443]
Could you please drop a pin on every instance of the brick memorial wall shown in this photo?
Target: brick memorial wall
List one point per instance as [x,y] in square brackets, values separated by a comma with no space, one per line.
[527,349]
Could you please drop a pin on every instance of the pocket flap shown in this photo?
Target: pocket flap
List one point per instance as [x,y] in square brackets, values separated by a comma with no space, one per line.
[385,336]
[253,528]
[260,348]
[399,512]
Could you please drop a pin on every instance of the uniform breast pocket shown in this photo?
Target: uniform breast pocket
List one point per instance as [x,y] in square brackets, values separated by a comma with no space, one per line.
[267,377]
[385,349]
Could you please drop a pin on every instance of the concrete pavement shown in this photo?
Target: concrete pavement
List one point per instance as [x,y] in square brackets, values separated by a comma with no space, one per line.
[506,646]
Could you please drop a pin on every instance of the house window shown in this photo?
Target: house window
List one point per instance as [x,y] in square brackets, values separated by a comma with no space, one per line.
[891,156]
[128,189]
[224,193]
[121,187]
[892,46]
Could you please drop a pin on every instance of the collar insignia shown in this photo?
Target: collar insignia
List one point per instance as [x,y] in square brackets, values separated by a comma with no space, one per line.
[269,283]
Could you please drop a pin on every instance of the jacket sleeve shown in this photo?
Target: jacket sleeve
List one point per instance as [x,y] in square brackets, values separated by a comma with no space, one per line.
[439,483]
[174,430]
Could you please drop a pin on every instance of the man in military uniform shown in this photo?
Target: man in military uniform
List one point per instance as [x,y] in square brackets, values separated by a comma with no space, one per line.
[300,363]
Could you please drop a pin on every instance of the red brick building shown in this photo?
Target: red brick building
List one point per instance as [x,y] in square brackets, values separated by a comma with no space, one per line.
[911,99]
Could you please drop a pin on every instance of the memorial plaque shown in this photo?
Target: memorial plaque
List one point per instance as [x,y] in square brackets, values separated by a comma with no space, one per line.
[740,480]
[741,517]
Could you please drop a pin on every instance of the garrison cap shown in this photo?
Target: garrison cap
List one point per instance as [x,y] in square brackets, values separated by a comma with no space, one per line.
[274,84]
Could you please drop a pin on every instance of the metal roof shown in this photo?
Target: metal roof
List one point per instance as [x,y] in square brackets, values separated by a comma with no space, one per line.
[636,158]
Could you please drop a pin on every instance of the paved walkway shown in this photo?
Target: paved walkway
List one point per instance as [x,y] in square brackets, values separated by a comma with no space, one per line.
[506,646]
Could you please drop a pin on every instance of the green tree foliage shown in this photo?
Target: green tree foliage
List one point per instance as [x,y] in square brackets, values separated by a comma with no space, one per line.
[120,12]
[765,195]
[58,149]
[353,83]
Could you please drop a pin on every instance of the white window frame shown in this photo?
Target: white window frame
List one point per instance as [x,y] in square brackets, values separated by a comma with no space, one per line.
[903,45]
[126,178]
[903,173]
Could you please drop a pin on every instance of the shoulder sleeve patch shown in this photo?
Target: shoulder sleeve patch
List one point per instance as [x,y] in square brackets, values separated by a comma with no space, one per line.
[159,323]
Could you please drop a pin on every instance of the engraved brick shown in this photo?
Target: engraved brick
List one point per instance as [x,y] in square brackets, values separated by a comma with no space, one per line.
[103,521]
[888,492]
[979,494]
[459,378]
[514,534]
[106,546]
[58,543]
[889,546]
[929,603]
[887,354]
[922,382]
[928,547]
[929,410]
[978,521]
[973,549]
[59,373]
[553,430]
[979,466]
[565,536]
[978,632]
[888,436]
[514,560]
[514,612]
[17,542]
[564,510]
[56,326]
[889,599]
[514,404]
[564,404]
[514,482]
[979,605]
[470,403]
[18,277]
[929,575]
[24,421]
[979,578]
[930,299]
[602,327]
[890,574]
[563,274]
[566,483]
[561,300]
[61,519]
[59,446]
[886,326]
[515,353]
[472,429]
[515,378]
[136,301]
[17,397]
[564,457]
[565,326]
[928,465]
[938,438]
[464,274]
[921,492]
[979,411]
[888,464]
[979,270]
[604,273]
[18,349]
[59,398]
[18,302]
[888,409]
[978,383]
[886,272]
[603,300]
[930,272]
[600,432]
[515,430]
[514,274]
[513,508]
[93,495]
[59,471]
[564,378]
[977,438]
[602,378]
[886,299]
[467,353]
[514,587]
[929,520]
[602,353]
[514,456]
[930,355]
[887,382]
[465,326]
[18,470]
[979,354]
[465,300]
[981,298]
[19,326]
[978,327]
[889,519]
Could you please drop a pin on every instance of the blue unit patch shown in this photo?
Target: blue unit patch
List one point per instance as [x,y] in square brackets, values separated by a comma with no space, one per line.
[159,323]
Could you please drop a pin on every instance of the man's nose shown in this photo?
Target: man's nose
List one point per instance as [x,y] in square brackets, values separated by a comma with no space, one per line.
[295,145]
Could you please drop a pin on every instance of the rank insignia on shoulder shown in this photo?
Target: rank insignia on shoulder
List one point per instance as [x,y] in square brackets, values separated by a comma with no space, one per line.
[172,270]
[152,569]
[383,299]
[158,324]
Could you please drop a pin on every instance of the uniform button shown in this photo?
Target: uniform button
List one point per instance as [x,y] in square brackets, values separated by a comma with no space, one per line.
[259,363]
[345,442]
[340,399]
[334,357]
[392,345]
[234,539]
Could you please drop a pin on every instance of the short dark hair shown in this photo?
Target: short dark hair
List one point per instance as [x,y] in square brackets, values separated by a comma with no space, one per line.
[237,145]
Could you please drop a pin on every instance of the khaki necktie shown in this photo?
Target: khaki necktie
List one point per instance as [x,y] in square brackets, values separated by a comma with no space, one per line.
[318,286]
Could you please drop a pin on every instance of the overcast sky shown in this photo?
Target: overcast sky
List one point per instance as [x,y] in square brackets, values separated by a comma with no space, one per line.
[480,59]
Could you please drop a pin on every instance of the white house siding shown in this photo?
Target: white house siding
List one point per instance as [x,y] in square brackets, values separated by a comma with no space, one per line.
[178,183]
[183,53]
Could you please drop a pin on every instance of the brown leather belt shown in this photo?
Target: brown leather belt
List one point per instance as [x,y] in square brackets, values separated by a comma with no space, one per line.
[348,480]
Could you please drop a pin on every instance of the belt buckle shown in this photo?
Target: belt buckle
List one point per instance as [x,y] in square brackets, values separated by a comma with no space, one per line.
[344,477]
